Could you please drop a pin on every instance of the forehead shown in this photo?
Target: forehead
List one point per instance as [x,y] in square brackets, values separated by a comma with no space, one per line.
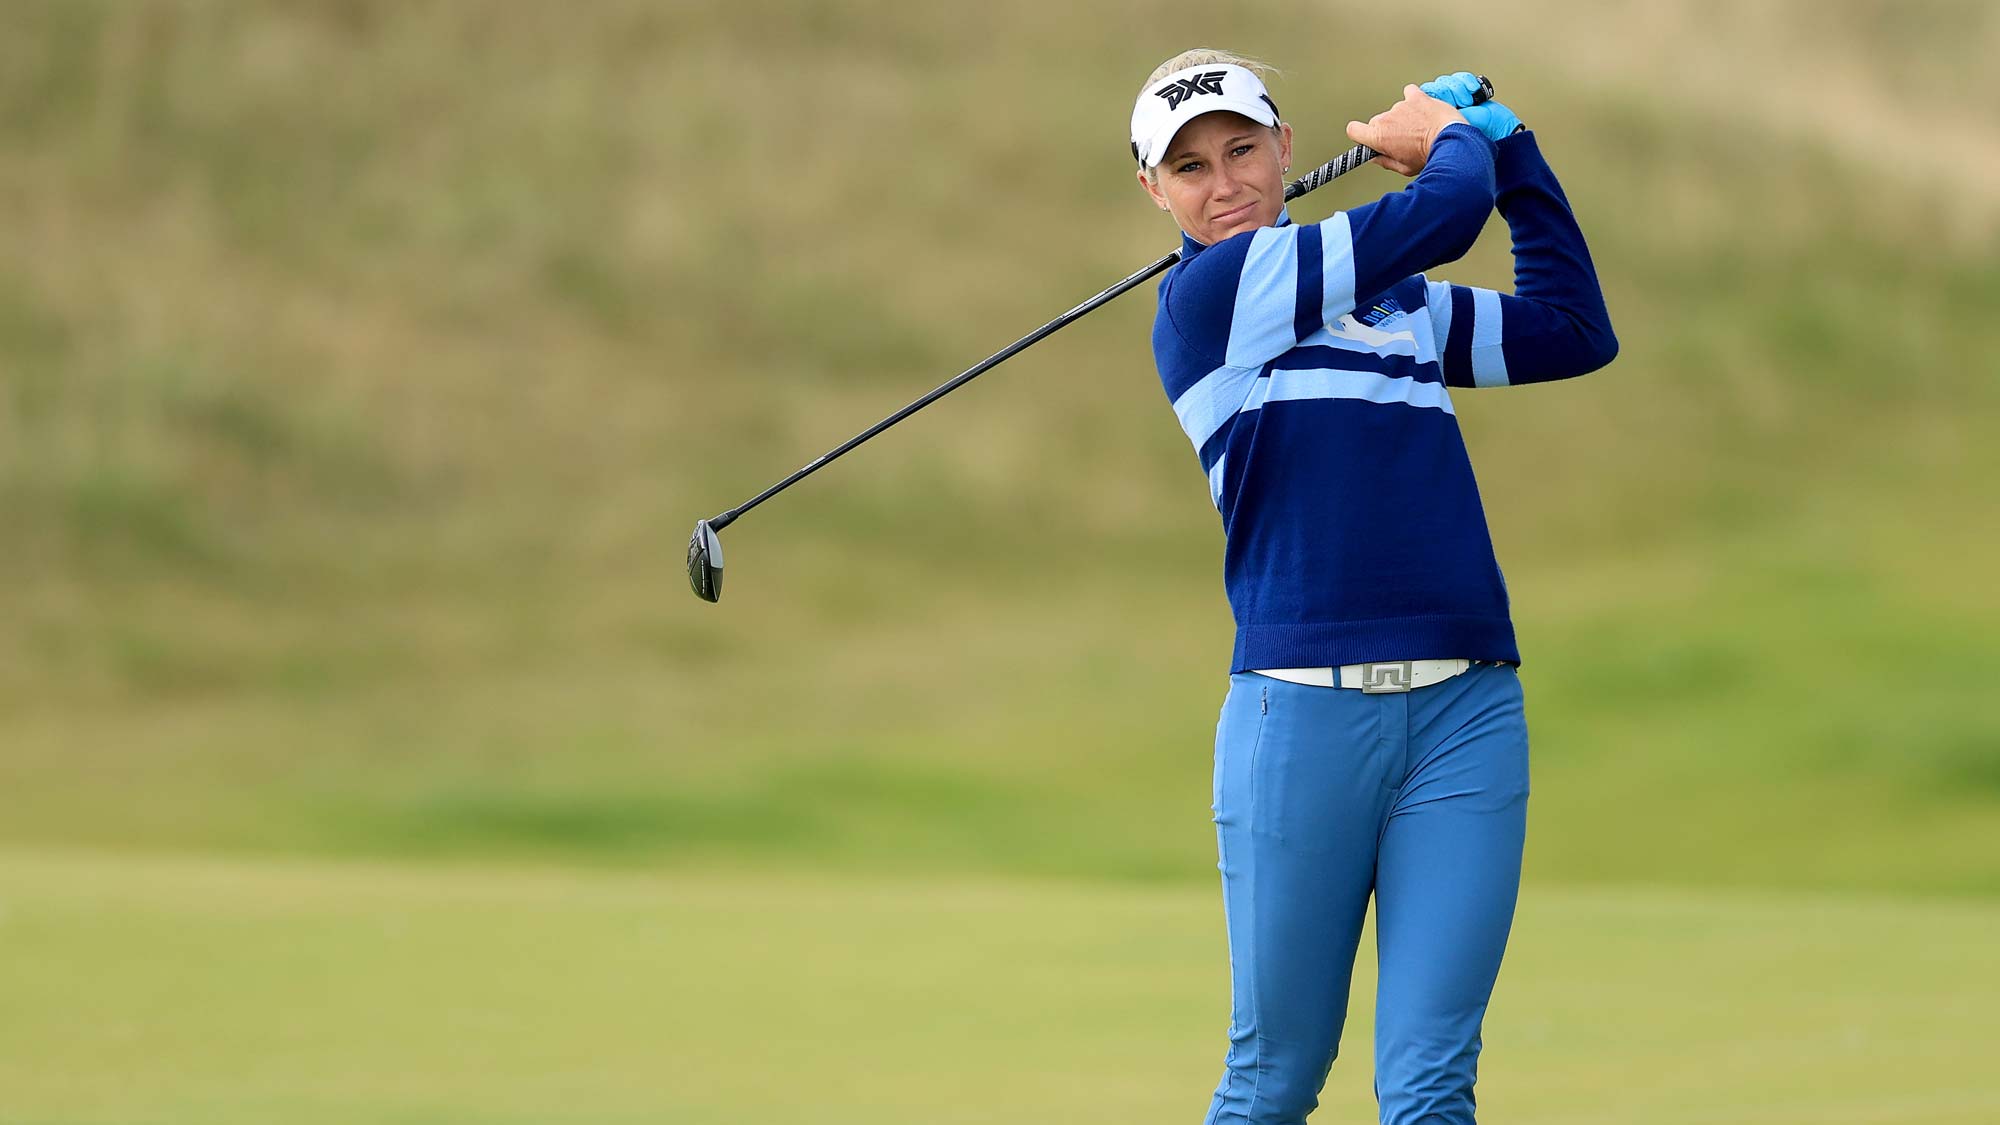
[1211,129]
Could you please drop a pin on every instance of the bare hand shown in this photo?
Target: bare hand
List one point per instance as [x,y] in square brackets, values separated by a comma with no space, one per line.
[1403,133]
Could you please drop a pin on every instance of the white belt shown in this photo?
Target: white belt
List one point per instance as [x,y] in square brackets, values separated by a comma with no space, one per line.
[1374,678]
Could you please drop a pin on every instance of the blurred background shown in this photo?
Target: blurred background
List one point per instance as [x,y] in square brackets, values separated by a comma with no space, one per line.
[364,756]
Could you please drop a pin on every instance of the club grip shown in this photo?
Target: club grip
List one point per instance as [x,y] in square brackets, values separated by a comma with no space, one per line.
[1485,93]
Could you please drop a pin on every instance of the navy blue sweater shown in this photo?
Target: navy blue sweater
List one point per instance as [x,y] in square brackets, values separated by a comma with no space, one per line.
[1310,367]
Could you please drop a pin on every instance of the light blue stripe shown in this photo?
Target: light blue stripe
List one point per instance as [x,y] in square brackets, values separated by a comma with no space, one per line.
[1213,400]
[1295,386]
[1437,298]
[1267,299]
[1419,327]
[1489,366]
[1336,250]
[1215,481]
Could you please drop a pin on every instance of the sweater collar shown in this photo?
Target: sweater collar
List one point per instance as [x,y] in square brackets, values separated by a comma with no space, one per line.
[1189,247]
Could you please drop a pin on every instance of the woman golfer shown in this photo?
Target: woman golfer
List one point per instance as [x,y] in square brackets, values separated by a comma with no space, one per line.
[1373,739]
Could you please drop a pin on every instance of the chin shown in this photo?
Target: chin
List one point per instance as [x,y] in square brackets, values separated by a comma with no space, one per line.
[1254,219]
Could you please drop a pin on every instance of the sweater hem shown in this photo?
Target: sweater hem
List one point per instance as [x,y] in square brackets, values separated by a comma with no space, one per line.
[1326,644]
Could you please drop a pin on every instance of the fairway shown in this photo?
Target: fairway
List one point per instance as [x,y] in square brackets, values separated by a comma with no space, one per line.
[142,990]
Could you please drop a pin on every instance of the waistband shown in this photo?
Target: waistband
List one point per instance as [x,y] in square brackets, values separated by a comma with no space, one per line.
[1377,677]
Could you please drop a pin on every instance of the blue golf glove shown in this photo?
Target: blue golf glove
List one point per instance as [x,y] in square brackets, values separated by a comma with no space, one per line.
[1493,119]
[1459,90]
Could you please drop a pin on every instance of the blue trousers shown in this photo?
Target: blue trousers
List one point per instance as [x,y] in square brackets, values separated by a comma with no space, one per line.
[1324,796]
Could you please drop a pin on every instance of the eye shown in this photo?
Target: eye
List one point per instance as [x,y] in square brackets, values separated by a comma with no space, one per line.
[1188,167]
[1239,150]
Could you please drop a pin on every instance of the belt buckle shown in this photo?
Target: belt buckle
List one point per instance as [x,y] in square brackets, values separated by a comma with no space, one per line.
[1386,677]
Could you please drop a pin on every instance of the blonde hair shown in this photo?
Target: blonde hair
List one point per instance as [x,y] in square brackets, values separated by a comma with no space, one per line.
[1205,56]
[1208,56]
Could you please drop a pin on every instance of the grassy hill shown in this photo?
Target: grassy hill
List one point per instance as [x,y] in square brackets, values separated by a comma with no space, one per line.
[364,365]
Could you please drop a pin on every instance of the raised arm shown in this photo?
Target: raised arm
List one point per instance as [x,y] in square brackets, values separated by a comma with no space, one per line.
[1251,298]
[1554,325]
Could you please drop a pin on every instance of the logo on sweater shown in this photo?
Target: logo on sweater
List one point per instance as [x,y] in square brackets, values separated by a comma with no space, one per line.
[1383,310]
[1209,83]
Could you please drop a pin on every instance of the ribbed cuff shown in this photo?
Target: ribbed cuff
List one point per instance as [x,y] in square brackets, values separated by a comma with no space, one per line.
[1516,159]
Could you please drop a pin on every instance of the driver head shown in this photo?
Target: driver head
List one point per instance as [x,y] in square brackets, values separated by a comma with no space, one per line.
[705,563]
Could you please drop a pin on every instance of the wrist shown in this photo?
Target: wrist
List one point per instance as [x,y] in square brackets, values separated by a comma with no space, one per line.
[1466,131]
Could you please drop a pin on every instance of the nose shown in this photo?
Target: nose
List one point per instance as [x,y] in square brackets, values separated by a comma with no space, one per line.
[1226,183]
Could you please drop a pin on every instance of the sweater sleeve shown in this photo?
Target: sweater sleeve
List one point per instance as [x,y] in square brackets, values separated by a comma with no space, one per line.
[1251,298]
[1554,325]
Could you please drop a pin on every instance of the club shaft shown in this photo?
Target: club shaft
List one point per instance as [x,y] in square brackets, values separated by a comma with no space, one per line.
[957,381]
[1331,170]
[1317,178]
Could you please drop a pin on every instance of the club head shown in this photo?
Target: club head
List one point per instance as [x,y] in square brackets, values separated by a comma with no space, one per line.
[705,563]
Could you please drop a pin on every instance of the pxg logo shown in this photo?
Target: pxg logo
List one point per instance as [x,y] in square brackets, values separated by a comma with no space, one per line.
[1210,83]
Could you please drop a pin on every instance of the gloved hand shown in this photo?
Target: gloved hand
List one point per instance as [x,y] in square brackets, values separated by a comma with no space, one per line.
[1493,119]
[1460,90]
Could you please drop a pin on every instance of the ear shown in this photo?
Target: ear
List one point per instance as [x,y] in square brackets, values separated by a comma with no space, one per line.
[1152,189]
[1284,144]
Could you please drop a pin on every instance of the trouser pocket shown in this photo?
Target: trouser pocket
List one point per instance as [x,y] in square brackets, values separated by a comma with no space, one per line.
[1237,735]
[1318,769]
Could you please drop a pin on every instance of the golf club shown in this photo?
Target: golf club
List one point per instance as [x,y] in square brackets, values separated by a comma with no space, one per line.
[704,560]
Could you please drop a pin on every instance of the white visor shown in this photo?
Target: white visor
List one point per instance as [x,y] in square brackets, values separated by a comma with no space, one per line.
[1184,95]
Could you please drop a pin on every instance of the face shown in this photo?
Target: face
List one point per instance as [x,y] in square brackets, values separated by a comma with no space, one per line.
[1222,175]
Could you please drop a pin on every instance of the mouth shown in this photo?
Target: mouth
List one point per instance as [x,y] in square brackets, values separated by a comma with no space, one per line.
[1232,216]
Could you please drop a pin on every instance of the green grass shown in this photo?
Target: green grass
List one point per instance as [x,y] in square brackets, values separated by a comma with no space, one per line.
[364,364]
[1707,729]
[169,990]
